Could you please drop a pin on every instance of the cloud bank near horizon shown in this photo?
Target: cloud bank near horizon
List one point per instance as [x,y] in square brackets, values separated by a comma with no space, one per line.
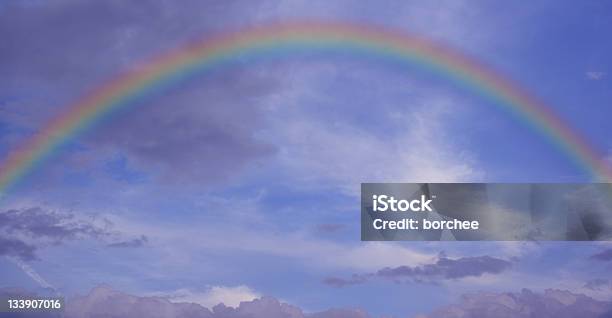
[104,301]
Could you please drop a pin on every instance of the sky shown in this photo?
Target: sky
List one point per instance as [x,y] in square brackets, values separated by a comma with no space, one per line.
[243,184]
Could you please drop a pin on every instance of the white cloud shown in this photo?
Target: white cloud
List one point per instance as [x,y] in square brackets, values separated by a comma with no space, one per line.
[344,155]
[212,296]
[33,274]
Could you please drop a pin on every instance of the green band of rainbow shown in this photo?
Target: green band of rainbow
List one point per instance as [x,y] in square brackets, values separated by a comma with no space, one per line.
[305,36]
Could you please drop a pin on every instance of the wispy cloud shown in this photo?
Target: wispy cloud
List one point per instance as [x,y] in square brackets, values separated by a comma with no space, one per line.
[33,274]
[136,242]
[599,284]
[441,270]
[25,230]
[344,155]
[595,75]
[604,256]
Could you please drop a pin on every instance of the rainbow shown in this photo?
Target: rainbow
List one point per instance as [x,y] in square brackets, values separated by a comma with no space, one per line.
[276,39]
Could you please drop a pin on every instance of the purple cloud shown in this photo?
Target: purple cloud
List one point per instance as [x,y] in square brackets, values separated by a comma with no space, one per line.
[443,269]
[342,282]
[198,134]
[38,223]
[103,301]
[329,227]
[201,132]
[262,307]
[604,256]
[137,242]
[17,248]
[598,284]
[549,304]
[340,313]
[23,231]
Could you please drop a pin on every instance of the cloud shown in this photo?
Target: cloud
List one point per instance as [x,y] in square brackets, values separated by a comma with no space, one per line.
[340,313]
[28,270]
[319,253]
[604,256]
[211,120]
[137,242]
[549,304]
[17,248]
[263,307]
[598,284]
[329,227]
[448,268]
[229,296]
[440,20]
[207,130]
[103,301]
[595,75]
[214,121]
[305,247]
[338,282]
[344,154]
[38,223]
[24,230]
[443,269]
[97,39]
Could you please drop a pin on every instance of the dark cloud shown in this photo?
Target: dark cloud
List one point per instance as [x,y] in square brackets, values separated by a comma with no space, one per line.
[598,284]
[23,231]
[341,313]
[342,282]
[137,242]
[202,134]
[76,44]
[549,304]
[16,248]
[329,227]
[38,223]
[604,256]
[443,269]
[203,131]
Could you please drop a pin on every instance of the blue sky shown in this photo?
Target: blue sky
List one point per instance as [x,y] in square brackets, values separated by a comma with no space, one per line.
[245,182]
